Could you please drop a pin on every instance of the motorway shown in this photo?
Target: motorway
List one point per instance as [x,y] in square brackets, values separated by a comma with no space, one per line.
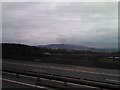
[97,74]
[11,81]
[14,84]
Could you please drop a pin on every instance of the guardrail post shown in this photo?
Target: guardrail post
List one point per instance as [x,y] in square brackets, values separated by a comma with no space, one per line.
[17,75]
[38,79]
[65,84]
[49,79]
[101,88]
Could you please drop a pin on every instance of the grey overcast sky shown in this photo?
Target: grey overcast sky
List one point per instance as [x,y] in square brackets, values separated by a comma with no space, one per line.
[82,23]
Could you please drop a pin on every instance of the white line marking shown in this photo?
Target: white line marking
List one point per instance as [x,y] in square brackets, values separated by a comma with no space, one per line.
[66,69]
[87,72]
[113,80]
[9,73]
[82,85]
[110,74]
[22,83]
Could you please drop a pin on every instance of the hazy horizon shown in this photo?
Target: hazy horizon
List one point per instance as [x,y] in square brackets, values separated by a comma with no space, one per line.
[90,24]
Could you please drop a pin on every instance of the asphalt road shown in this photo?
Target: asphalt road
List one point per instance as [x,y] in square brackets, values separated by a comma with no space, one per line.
[10,84]
[11,81]
[83,73]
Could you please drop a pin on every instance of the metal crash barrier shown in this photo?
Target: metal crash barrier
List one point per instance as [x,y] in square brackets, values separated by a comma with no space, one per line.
[100,85]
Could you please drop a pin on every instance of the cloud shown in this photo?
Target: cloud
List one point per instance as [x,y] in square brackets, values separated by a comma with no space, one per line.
[61,22]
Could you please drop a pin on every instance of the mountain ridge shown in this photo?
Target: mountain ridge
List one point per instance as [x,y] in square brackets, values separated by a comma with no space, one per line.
[66,46]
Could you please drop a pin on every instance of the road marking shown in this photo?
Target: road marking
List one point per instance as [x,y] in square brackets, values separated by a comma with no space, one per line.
[65,69]
[9,73]
[113,80]
[83,85]
[110,74]
[87,72]
[22,83]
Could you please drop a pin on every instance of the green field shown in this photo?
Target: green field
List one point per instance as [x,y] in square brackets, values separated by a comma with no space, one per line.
[107,60]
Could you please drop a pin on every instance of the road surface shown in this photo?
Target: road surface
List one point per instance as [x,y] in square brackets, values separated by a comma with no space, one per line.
[97,74]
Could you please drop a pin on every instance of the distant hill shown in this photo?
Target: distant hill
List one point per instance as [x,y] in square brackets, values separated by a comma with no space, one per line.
[67,46]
